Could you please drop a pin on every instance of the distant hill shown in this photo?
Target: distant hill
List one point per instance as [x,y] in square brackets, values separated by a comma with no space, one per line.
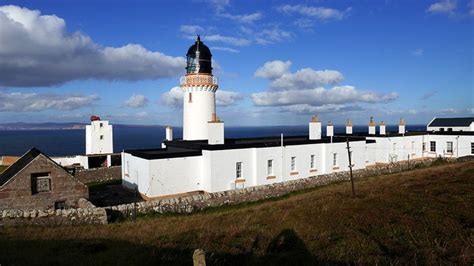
[52,125]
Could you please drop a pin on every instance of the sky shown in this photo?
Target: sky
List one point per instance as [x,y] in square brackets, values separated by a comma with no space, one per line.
[278,62]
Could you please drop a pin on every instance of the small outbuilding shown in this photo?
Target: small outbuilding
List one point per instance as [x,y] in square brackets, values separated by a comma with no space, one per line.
[451,124]
[35,181]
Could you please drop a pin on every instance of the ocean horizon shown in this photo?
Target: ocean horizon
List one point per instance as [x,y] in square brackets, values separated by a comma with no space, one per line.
[66,142]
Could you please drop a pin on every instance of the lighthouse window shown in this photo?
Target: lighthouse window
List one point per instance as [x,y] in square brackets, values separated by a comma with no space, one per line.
[190,97]
[270,167]
[101,124]
[101,136]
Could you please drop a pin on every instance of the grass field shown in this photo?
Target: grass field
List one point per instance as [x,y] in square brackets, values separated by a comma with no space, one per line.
[2,168]
[424,216]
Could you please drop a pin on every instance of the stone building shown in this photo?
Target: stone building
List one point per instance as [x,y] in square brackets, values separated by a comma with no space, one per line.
[35,181]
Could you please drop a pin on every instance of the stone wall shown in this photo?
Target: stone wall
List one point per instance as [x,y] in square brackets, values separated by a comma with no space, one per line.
[199,202]
[99,174]
[85,214]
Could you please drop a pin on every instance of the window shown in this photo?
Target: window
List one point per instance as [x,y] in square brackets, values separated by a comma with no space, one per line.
[472,147]
[394,148]
[433,146]
[270,167]
[190,97]
[449,147]
[293,163]
[60,205]
[312,162]
[412,146]
[101,137]
[424,146]
[334,159]
[101,124]
[238,170]
[40,182]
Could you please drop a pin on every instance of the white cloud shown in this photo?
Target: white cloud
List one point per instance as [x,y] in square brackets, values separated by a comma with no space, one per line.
[246,18]
[224,49]
[321,13]
[37,50]
[33,102]
[227,39]
[191,29]
[174,97]
[428,95]
[306,78]
[273,69]
[418,52]
[278,72]
[445,6]
[226,98]
[320,96]
[470,5]
[136,101]
[272,35]
[326,108]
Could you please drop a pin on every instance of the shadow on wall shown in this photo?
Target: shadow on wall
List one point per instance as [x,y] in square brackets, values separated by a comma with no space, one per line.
[285,249]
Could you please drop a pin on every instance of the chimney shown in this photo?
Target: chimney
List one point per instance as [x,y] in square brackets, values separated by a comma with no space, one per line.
[315,128]
[330,129]
[215,129]
[348,127]
[382,128]
[401,126]
[169,133]
[372,126]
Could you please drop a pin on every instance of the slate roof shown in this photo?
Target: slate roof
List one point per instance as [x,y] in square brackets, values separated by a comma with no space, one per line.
[18,165]
[452,122]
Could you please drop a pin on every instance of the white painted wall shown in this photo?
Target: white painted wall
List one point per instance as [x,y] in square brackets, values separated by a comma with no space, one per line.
[95,144]
[197,112]
[461,145]
[70,160]
[314,130]
[399,148]
[216,133]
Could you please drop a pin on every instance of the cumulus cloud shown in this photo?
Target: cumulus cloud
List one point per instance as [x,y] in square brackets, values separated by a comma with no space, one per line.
[37,50]
[272,35]
[326,108]
[174,97]
[443,7]
[136,101]
[33,102]
[320,96]
[321,13]
[273,69]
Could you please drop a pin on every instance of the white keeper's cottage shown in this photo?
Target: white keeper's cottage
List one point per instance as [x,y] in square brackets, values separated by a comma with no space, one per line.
[205,161]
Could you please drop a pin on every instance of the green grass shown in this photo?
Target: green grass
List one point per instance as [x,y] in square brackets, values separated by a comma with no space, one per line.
[2,168]
[98,186]
[425,216]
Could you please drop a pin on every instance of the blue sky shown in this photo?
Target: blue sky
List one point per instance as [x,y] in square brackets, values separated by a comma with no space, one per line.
[278,62]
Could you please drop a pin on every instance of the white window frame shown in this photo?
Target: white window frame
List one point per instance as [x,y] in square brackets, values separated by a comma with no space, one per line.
[432,146]
[238,170]
[293,164]
[334,159]
[312,163]
[448,148]
[472,147]
[270,167]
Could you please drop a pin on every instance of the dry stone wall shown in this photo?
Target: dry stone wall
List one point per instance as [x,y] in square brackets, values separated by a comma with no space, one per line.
[99,174]
[87,213]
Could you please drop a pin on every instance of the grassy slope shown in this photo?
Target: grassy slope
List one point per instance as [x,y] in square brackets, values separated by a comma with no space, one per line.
[2,168]
[424,216]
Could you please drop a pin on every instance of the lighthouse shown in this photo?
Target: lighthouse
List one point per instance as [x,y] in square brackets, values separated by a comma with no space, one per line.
[199,92]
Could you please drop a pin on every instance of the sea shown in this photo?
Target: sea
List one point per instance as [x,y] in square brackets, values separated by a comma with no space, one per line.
[66,142]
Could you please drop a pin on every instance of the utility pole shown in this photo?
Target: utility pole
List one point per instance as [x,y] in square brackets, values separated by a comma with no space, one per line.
[350,166]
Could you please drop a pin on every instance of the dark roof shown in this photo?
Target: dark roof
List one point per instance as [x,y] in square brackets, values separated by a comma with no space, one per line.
[452,122]
[183,148]
[18,165]
[168,152]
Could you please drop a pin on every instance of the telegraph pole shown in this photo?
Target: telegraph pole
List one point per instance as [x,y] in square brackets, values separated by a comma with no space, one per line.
[350,166]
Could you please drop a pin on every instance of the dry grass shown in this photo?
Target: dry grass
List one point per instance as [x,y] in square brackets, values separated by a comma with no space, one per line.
[3,167]
[424,216]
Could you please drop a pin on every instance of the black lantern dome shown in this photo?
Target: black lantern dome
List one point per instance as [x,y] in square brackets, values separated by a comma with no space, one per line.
[199,58]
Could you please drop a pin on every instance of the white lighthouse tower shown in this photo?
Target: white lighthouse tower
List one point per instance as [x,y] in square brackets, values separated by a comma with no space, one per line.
[199,92]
